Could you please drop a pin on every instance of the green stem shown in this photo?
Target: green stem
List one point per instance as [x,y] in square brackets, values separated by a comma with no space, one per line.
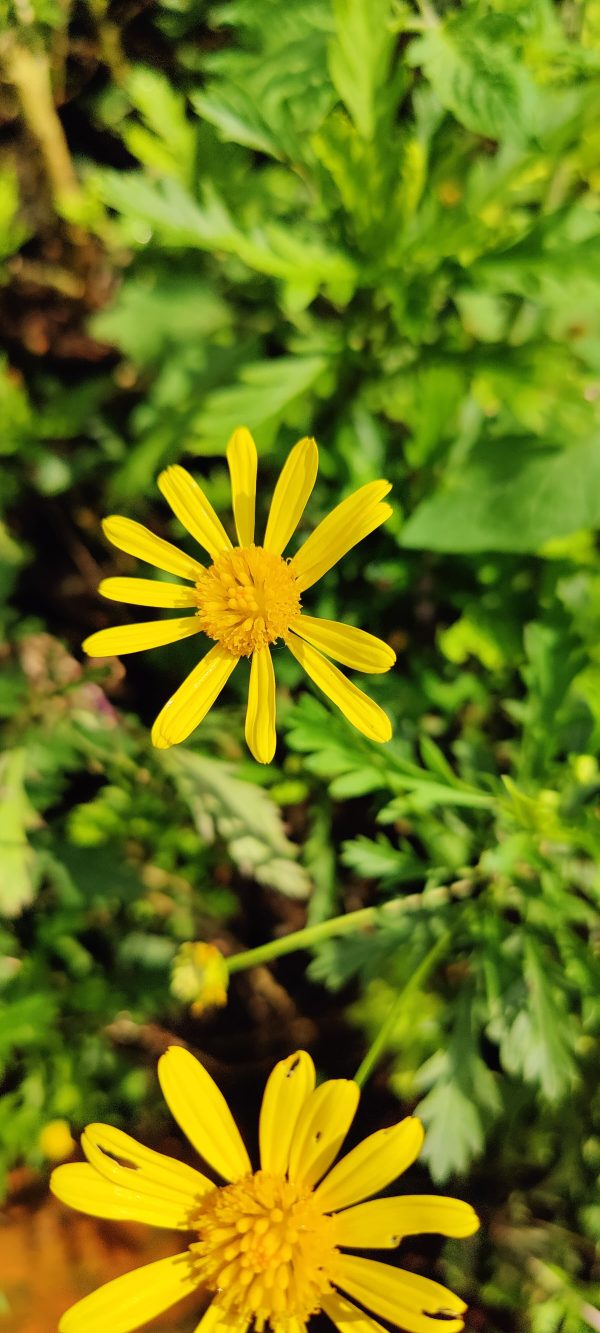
[29,72]
[415,982]
[309,935]
[432,899]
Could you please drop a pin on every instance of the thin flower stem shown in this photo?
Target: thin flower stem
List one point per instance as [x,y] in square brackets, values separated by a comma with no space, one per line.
[414,983]
[433,898]
[309,935]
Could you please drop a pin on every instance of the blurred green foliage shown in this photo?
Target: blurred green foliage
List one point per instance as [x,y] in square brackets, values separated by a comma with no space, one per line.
[378,224]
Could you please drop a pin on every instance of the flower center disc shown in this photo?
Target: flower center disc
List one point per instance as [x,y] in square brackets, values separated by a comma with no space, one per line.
[247,599]
[266,1250]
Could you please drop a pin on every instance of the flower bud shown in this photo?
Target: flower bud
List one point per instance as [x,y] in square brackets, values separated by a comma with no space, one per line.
[199,976]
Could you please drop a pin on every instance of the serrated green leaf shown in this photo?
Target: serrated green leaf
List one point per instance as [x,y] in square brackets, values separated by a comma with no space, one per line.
[244,815]
[157,311]
[539,1045]
[479,82]
[269,393]
[359,57]
[238,119]
[379,859]
[463,1100]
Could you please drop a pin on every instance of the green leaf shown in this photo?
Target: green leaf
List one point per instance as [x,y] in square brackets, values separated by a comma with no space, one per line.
[17,417]
[539,1045]
[479,81]
[13,231]
[463,1100]
[18,877]
[243,815]
[269,393]
[359,56]
[238,119]
[429,401]
[379,859]
[24,1021]
[155,311]
[510,497]
[163,111]
[164,206]
[270,88]
[333,750]
[304,262]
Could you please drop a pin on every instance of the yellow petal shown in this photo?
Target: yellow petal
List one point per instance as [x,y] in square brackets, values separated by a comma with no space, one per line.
[189,503]
[372,1165]
[136,540]
[242,460]
[201,1111]
[383,1223]
[130,1301]
[217,1320]
[185,710]
[408,1300]
[353,647]
[362,712]
[261,737]
[291,493]
[347,1317]
[136,638]
[322,1125]
[147,592]
[340,530]
[81,1187]
[131,1165]
[288,1087]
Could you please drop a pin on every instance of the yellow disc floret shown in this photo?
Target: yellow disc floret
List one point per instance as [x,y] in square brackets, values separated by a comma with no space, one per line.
[266,1250]
[247,599]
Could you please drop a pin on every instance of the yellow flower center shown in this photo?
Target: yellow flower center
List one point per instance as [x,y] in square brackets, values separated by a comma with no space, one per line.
[247,599]
[266,1250]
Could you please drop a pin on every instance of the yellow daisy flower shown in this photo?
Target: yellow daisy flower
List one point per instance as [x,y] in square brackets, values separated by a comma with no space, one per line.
[250,596]
[269,1245]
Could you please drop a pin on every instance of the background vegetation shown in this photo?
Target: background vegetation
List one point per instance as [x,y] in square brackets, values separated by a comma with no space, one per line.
[376,223]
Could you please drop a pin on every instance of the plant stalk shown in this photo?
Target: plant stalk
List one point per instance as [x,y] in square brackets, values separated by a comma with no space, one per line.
[29,73]
[421,973]
[324,930]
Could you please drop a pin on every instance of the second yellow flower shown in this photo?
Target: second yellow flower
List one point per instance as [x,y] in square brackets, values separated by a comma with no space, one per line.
[250,596]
